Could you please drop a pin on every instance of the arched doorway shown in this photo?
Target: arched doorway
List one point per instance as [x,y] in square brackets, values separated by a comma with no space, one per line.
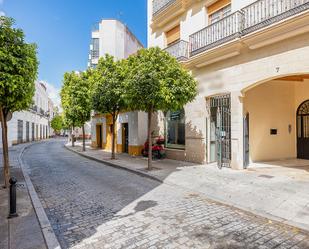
[303,130]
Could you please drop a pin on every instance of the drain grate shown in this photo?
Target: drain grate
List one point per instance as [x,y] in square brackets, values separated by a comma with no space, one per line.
[266,176]
[20,186]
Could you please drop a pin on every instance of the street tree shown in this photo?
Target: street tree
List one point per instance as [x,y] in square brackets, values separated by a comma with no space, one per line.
[70,116]
[76,100]
[18,71]
[108,90]
[157,82]
[81,100]
[57,123]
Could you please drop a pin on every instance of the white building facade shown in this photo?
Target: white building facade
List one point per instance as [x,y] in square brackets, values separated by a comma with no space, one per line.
[114,38]
[250,59]
[32,124]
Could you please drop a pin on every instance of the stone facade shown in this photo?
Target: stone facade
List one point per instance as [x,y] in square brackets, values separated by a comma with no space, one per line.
[262,68]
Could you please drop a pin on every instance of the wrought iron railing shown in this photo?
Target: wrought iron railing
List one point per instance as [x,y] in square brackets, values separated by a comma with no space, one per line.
[180,50]
[95,54]
[265,12]
[217,33]
[159,5]
[252,17]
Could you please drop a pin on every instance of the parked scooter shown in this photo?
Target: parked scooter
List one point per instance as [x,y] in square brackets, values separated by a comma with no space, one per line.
[158,151]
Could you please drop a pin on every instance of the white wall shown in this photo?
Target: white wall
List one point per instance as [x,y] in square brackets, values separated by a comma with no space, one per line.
[193,20]
[25,116]
[271,106]
[116,39]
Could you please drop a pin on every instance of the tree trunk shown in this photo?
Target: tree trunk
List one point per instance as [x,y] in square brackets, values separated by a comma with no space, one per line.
[113,136]
[84,142]
[165,128]
[149,139]
[73,137]
[69,135]
[6,165]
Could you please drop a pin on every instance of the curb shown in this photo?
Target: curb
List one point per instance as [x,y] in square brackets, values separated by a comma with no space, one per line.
[47,230]
[114,165]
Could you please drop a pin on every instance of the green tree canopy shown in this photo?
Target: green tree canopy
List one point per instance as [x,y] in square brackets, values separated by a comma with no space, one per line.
[18,68]
[57,123]
[156,81]
[76,100]
[18,71]
[108,89]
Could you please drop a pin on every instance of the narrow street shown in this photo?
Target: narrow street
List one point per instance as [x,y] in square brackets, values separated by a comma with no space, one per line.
[91,205]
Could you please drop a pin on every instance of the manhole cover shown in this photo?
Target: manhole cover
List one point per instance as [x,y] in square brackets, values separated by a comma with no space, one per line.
[266,176]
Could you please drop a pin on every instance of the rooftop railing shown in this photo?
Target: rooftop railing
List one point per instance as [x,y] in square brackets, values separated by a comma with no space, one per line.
[160,5]
[265,12]
[180,50]
[216,33]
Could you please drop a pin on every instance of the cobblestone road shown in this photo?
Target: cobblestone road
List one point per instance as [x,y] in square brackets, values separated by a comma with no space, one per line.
[91,205]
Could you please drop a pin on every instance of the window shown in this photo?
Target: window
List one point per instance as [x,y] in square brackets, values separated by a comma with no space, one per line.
[95,53]
[20,131]
[173,35]
[175,129]
[27,131]
[32,132]
[219,10]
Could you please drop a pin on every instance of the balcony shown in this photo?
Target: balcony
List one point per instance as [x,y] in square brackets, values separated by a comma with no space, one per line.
[180,50]
[217,33]
[164,11]
[266,12]
[251,26]
[159,5]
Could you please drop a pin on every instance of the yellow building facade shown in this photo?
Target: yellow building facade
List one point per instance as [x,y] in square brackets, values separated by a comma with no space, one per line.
[130,132]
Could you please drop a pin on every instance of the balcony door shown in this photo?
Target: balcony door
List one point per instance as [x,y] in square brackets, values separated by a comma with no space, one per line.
[219,10]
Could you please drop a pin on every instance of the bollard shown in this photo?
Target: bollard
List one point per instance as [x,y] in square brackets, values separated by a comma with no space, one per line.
[12,213]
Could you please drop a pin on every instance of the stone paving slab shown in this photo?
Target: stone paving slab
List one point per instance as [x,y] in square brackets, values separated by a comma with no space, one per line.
[91,205]
[276,192]
[22,232]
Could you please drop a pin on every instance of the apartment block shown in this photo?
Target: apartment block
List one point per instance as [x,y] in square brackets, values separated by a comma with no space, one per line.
[114,38]
[250,59]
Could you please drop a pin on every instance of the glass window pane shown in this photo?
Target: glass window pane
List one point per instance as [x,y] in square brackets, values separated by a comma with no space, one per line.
[175,124]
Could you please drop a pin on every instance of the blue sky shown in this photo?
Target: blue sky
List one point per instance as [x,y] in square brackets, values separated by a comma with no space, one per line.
[61,29]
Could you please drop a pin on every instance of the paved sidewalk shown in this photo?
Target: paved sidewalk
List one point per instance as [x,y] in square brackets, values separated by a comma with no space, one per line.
[92,205]
[22,232]
[279,193]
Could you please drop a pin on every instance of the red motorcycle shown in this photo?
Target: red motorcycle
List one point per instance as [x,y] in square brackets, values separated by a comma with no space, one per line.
[158,151]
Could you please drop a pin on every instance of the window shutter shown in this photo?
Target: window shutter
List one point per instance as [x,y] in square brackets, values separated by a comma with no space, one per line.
[173,35]
[217,6]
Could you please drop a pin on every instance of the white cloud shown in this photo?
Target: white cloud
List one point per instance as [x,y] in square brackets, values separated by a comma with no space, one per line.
[53,93]
[2,12]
